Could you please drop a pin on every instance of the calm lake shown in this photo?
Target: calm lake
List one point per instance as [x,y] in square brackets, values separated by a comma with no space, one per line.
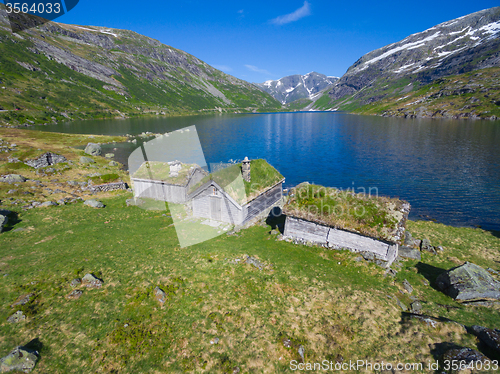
[448,170]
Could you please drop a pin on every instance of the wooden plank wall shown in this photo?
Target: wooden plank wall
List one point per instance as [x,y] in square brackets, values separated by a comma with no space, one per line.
[159,191]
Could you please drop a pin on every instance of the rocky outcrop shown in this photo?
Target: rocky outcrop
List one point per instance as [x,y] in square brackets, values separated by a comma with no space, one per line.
[469,282]
[93,149]
[47,159]
[490,337]
[3,221]
[91,281]
[13,178]
[94,203]
[20,359]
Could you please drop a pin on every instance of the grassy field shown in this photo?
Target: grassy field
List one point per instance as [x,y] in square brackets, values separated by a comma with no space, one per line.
[335,305]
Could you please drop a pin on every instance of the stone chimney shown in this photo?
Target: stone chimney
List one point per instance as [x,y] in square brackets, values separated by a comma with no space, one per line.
[245,169]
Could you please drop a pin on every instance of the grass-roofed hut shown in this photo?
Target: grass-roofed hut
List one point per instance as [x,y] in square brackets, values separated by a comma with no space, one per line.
[166,181]
[344,219]
[238,193]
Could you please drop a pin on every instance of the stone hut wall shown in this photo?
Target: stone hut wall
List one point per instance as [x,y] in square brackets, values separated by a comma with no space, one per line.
[336,238]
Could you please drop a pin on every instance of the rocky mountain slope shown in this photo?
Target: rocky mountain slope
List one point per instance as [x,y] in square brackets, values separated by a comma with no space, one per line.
[459,46]
[59,72]
[295,87]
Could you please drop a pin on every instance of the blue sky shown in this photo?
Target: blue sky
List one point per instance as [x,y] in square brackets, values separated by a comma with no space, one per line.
[261,40]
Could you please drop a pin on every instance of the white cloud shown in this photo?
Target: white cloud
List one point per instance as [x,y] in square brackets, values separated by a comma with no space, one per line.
[303,11]
[257,70]
[223,67]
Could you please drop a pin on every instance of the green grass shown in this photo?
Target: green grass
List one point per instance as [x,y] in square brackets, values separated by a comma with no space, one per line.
[157,170]
[324,300]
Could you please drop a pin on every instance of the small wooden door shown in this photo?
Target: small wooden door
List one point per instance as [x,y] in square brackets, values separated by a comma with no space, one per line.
[215,208]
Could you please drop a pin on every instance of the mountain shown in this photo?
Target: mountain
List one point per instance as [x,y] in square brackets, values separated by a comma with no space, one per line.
[463,45]
[295,87]
[59,72]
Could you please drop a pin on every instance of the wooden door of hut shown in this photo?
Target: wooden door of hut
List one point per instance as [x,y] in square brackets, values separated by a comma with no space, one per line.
[215,208]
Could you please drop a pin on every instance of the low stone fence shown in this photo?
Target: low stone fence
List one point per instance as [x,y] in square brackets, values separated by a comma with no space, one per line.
[108,187]
[47,159]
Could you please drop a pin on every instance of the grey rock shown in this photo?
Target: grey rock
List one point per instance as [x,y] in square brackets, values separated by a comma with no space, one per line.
[16,317]
[3,221]
[467,355]
[93,149]
[253,261]
[72,183]
[91,281]
[94,203]
[469,282]
[75,294]
[407,286]
[47,159]
[20,359]
[426,246]
[401,305]
[407,252]
[76,282]
[274,232]
[10,192]
[301,352]
[109,155]
[416,307]
[160,295]
[214,341]
[47,204]
[13,178]
[23,300]
[86,160]
[113,163]
[490,337]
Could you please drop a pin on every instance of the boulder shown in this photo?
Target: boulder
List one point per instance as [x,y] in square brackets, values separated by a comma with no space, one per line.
[407,286]
[47,204]
[3,221]
[490,337]
[94,203]
[16,317]
[91,281]
[86,160]
[75,294]
[20,359]
[13,178]
[407,252]
[76,282]
[160,295]
[113,163]
[469,282]
[93,149]
[253,261]
[47,159]
[463,356]
[426,246]
[109,155]
[23,300]
[416,307]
